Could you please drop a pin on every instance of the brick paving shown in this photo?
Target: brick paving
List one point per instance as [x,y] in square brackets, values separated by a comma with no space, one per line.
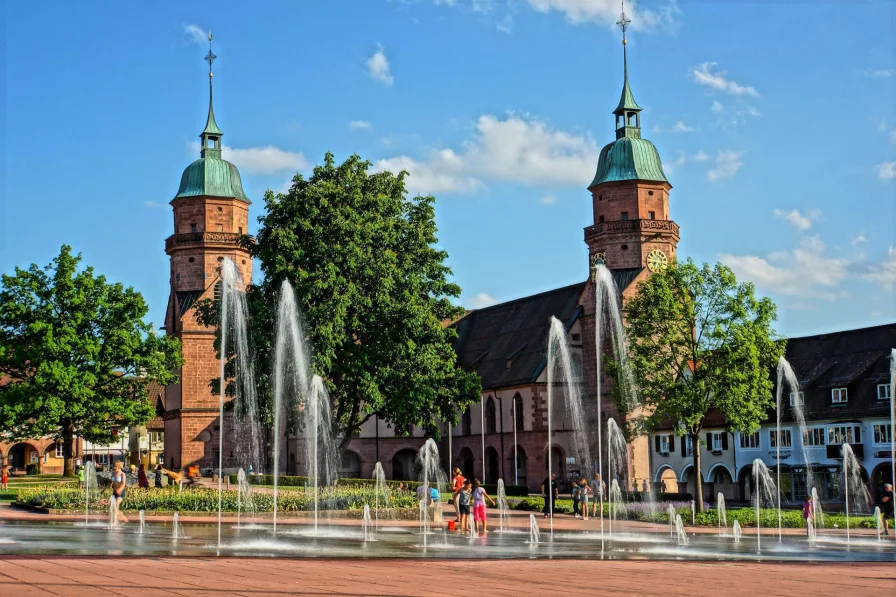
[25,576]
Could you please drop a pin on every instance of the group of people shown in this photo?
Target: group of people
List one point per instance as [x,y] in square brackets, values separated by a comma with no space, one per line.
[586,497]
[469,497]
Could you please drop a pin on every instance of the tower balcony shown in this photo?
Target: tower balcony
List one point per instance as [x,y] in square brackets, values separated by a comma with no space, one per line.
[624,226]
[179,241]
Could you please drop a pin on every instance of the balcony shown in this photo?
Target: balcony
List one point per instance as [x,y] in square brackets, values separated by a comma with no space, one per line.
[631,226]
[205,238]
[834,451]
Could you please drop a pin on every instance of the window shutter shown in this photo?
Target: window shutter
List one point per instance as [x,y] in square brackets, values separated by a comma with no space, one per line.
[671,444]
[724,440]
[709,441]
[657,442]
[683,443]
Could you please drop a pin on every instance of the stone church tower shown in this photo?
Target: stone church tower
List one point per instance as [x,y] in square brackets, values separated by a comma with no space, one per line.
[632,234]
[211,212]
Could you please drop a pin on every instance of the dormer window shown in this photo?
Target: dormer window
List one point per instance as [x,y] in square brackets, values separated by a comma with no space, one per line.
[839,396]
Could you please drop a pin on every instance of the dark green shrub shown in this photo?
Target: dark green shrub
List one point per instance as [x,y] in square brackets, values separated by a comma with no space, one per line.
[33,469]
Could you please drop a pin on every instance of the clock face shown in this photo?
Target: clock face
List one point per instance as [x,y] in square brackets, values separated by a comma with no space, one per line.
[656,261]
[598,256]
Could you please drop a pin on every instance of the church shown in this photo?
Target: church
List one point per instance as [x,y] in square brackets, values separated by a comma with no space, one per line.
[504,436]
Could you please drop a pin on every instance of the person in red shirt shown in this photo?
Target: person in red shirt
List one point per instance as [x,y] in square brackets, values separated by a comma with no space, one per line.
[456,488]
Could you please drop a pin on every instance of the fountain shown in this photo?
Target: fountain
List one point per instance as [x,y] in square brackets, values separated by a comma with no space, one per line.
[764,491]
[504,507]
[175,527]
[431,475]
[817,511]
[89,481]
[722,514]
[617,459]
[113,513]
[367,524]
[735,530]
[534,534]
[608,314]
[380,491]
[877,521]
[693,512]
[681,536]
[810,531]
[243,495]
[852,479]
[671,514]
[142,527]
[616,506]
[318,443]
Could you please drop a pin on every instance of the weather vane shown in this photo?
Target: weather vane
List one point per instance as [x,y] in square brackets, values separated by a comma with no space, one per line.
[623,22]
[210,57]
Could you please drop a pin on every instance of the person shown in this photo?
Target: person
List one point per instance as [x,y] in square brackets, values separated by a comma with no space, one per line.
[574,490]
[597,491]
[464,500]
[808,507]
[634,486]
[400,486]
[80,477]
[421,493]
[584,496]
[549,492]
[142,481]
[4,477]
[455,491]
[250,469]
[434,503]
[479,511]
[663,486]
[885,503]
[119,485]
[133,469]
[644,486]
[158,476]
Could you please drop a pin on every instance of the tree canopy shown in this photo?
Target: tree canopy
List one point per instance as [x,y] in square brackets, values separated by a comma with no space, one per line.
[374,291]
[76,355]
[700,340]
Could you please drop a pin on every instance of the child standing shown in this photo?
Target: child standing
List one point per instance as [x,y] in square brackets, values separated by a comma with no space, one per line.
[584,496]
[479,512]
[574,490]
[5,477]
[464,498]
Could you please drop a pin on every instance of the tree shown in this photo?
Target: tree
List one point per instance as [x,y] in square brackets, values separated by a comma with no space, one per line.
[76,355]
[699,340]
[374,292]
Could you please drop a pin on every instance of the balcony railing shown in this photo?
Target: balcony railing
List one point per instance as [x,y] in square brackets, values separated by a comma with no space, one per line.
[632,226]
[190,238]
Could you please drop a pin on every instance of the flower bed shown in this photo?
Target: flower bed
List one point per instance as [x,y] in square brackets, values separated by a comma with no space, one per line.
[206,500]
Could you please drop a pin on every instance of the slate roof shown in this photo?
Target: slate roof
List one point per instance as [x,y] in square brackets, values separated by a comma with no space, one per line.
[855,359]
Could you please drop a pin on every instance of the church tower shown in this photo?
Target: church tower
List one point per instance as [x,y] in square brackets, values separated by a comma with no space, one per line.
[211,213]
[630,193]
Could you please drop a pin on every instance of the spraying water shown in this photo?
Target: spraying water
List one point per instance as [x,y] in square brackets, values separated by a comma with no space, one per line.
[722,514]
[877,523]
[431,476]
[534,533]
[681,537]
[367,524]
[244,499]
[859,498]
[817,511]
[175,527]
[617,507]
[113,513]
[380,491]
[764,491]
[736,531]
[89,482]
[617,458]
[671,514]
[142,527]
[503,506]
[318,440]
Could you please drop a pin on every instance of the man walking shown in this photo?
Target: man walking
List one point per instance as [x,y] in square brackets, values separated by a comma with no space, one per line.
[549,492]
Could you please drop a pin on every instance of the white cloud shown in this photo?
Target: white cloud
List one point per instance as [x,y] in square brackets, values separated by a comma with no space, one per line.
[805,272]
[505,24]
[196,34]
[481,301]
[379,69]
[607,12]
[861,238]
[798,220]
[716,106]
[728,162]
[359,125]
[701,156]
[886,170]
[678,127]
[884,274]
[880,73]
[548,200]
[262,160]
[515,149]
[152,204]
[707,74]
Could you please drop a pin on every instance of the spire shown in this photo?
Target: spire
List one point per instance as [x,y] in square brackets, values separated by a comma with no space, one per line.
[211,135]
[628,121]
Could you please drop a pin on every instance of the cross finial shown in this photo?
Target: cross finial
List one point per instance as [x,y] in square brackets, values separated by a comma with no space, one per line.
[210,57]
[623,22]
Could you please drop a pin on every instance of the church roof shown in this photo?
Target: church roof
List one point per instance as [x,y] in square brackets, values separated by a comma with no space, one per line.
[211,177]
[507,343]
[629,158]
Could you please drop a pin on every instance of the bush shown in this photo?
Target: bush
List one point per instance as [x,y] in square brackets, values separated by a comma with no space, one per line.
[33,469]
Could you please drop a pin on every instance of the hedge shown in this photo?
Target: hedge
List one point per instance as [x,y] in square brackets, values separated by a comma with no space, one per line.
[291,481]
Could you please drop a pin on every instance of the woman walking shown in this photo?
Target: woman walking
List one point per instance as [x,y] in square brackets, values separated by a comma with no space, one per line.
[142,481]
[456,488]
[119,485]
[584,496]
[479,511]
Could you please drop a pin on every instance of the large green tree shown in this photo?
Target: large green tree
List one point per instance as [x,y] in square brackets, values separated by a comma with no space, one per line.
[701,340]
[374,291]
[75,354]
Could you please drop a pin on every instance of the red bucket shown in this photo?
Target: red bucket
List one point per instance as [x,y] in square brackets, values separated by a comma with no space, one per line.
[451,525]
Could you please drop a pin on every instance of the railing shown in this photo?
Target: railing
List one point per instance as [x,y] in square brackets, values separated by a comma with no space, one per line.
[632,225]
[189,238]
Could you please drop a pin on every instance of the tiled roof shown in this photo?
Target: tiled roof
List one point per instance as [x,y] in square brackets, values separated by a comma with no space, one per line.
[156,394]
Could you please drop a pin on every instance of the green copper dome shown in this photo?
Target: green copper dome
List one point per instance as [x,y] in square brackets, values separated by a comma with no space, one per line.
[629,158]
[211,177]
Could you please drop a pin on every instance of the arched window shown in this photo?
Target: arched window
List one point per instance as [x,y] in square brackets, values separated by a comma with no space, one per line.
[490,419]
[518,412]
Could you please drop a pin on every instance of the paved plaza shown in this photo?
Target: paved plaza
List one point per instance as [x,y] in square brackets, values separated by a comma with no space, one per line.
[260,577]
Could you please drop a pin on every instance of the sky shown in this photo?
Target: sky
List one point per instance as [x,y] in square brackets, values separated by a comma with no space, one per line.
[775,122]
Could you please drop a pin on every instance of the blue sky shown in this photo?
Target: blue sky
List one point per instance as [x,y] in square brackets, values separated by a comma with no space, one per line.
[775,122]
